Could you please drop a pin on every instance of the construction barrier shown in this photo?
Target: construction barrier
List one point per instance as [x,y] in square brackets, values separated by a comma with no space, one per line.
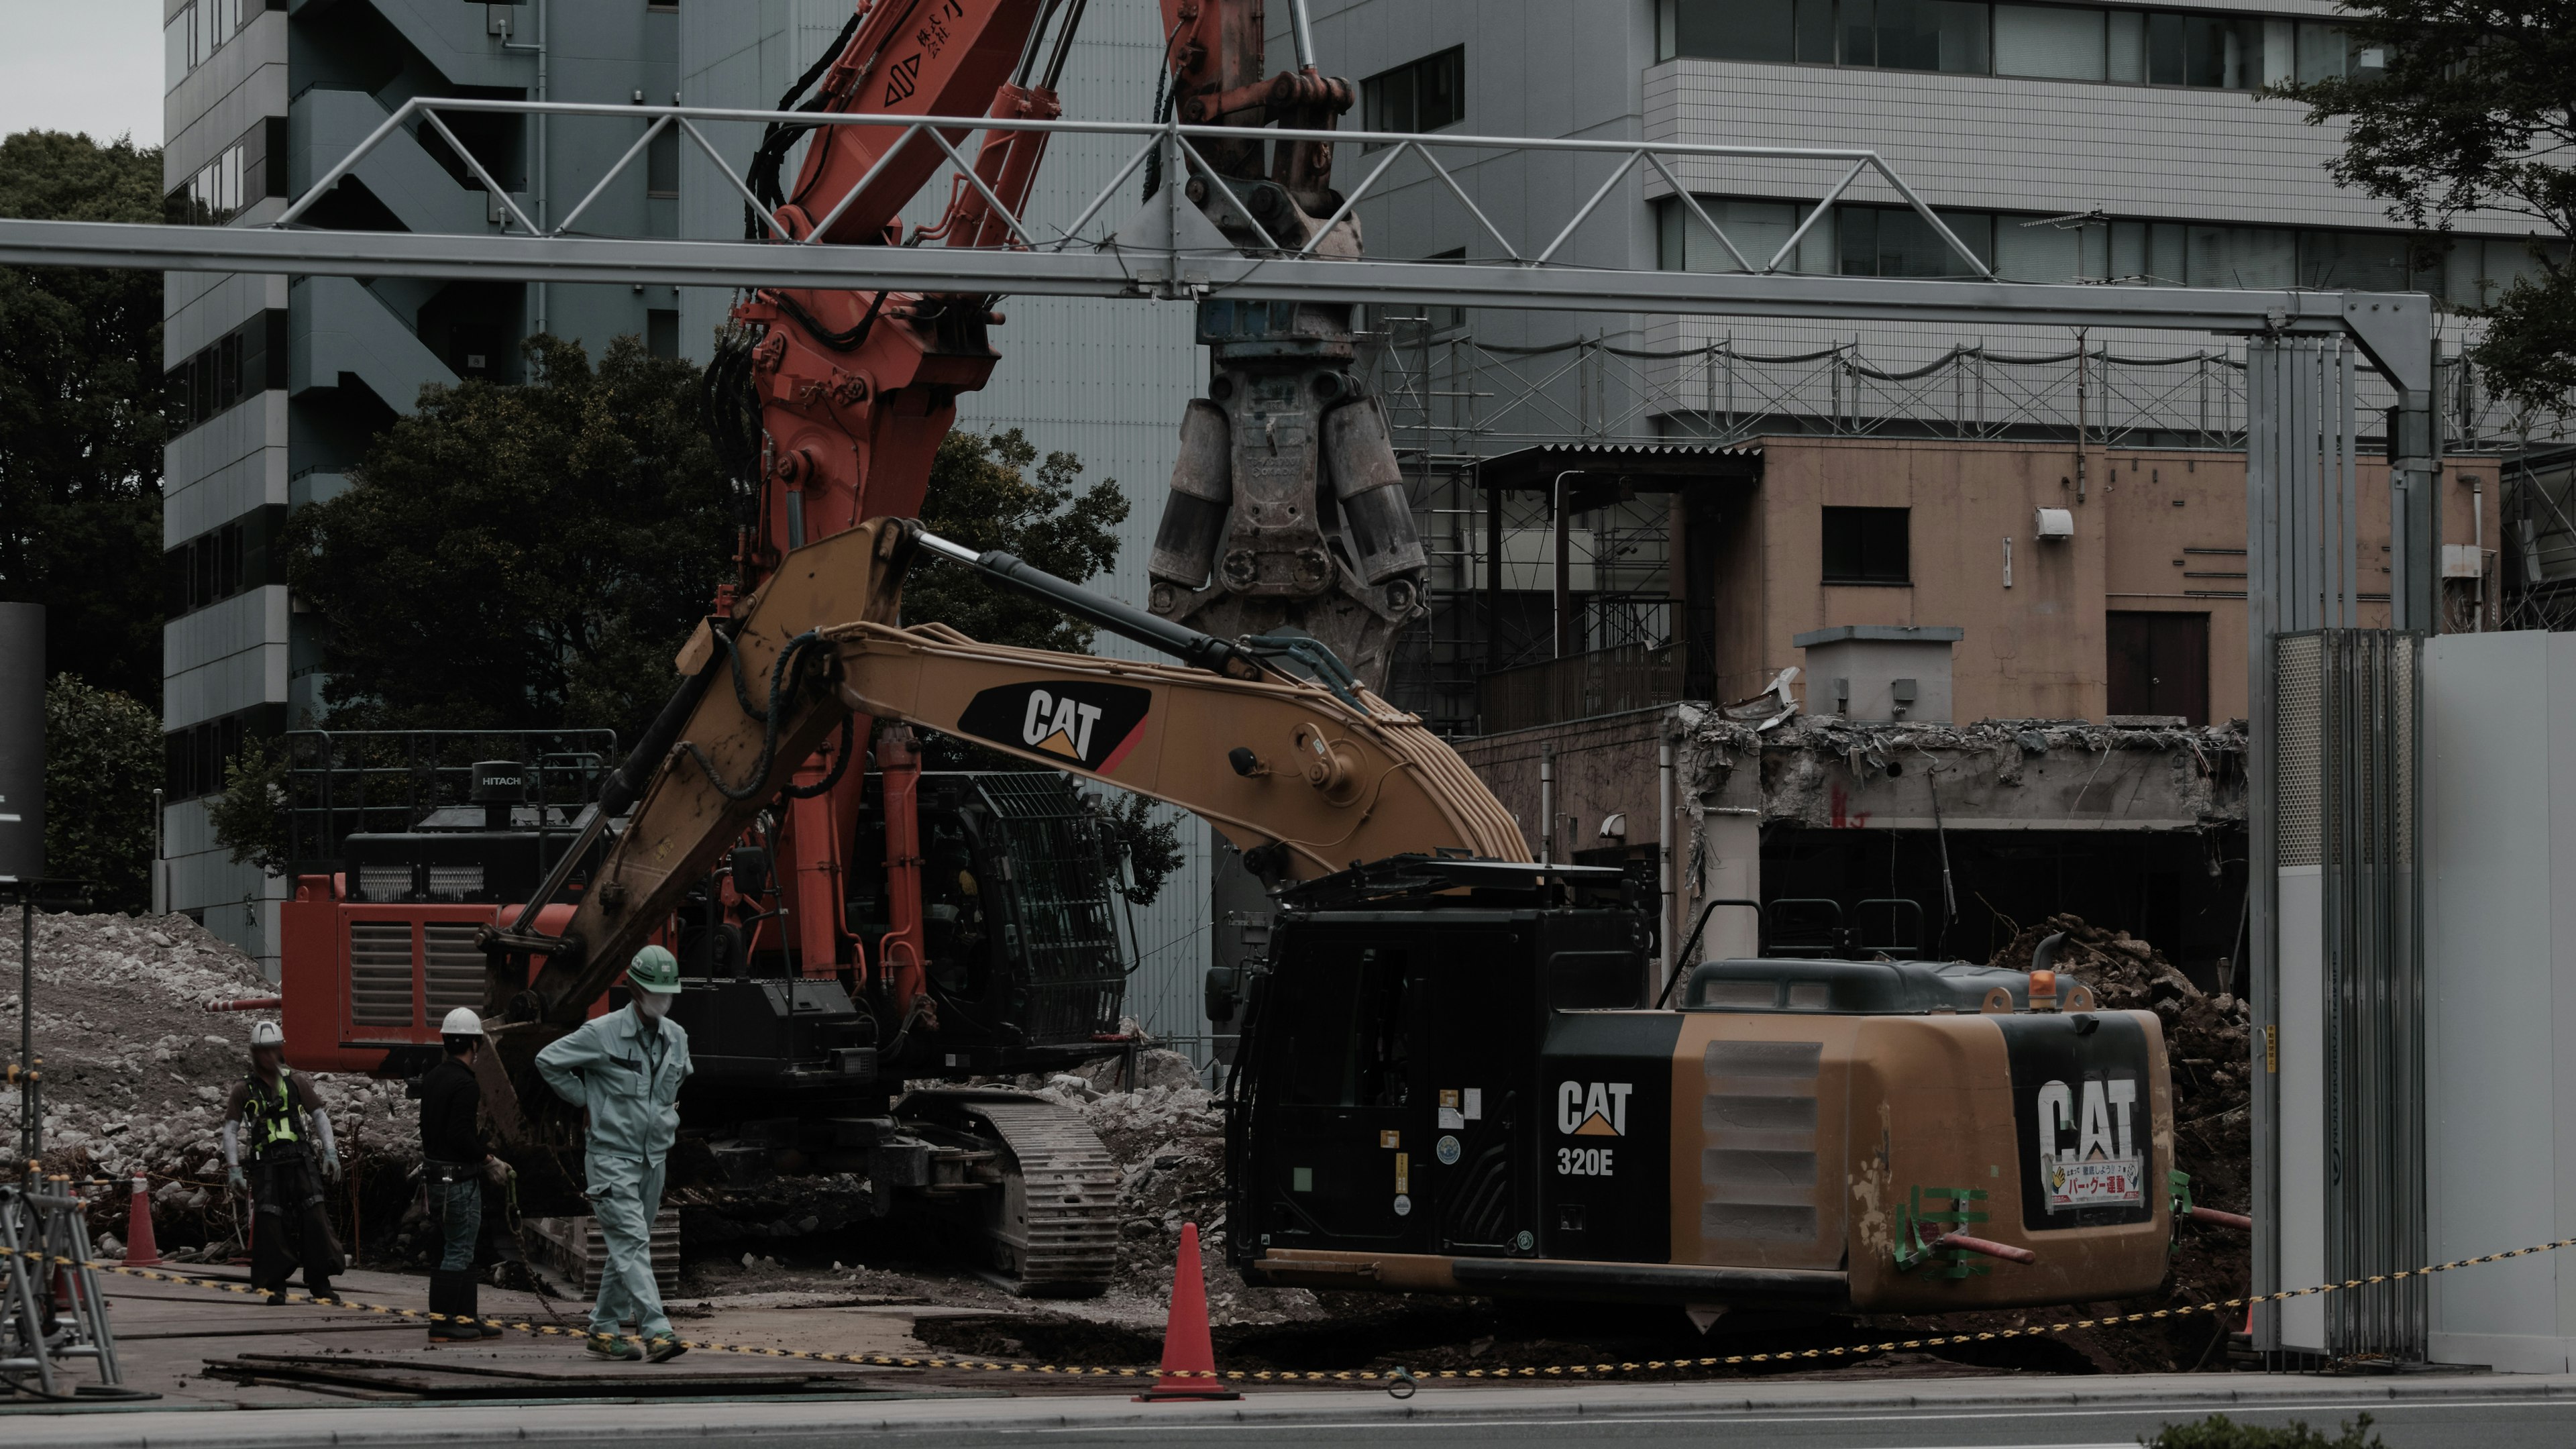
[1397,1380]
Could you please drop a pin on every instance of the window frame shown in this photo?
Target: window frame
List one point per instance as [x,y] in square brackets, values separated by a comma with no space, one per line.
[1412,72]
[1860,517]
[2174,25]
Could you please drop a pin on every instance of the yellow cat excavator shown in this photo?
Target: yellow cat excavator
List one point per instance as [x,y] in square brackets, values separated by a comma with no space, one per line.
[1459,1072]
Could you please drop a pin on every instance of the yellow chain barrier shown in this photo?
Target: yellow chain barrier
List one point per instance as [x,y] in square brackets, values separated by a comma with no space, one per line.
[1400,1376]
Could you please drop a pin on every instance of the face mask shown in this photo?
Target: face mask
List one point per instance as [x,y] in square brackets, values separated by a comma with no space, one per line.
[653,1004]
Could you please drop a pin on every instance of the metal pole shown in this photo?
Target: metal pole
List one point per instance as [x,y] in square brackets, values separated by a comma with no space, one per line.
[1547,804]
[31,1126]
[1301,33]
[2415,530]
[1664,854]
[1564,560]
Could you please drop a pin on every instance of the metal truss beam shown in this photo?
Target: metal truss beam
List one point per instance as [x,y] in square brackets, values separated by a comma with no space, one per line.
[2395,329]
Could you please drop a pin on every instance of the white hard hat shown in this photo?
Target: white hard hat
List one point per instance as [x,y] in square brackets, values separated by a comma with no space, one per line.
[461,1022]
[266,1034]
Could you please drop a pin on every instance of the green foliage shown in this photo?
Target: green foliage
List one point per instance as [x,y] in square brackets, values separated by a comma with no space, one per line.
[80,417]
[521,556]
[102,757]
[2473,111]
[2219,1432]
[982,495]
[1152,847]
[249,816]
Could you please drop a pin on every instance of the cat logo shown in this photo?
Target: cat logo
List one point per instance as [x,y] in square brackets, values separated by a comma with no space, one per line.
[1592,1109]
[1087,724]
[2104,1134]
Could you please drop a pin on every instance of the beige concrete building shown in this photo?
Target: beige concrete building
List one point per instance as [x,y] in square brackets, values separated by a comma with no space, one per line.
[2091,585]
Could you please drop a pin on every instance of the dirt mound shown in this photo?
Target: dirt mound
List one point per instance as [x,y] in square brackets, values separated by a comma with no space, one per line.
[136,1071]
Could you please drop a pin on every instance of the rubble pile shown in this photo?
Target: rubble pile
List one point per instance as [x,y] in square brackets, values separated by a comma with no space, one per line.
[1167,1134]
[136,1071]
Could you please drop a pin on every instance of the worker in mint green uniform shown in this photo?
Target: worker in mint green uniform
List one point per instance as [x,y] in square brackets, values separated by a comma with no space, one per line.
[626,1067]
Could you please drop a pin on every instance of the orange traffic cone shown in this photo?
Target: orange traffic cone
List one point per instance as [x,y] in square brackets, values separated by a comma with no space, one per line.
[1189,1354]
[140,1249]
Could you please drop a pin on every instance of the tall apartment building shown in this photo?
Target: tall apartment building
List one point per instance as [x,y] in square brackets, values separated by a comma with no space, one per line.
[284,379]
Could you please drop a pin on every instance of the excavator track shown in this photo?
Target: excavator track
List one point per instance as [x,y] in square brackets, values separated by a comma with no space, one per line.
[1052,1228]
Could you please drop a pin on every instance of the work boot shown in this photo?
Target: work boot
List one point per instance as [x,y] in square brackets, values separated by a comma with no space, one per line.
[469,1301]
[443,1301]
[664,1347]
[602,1346]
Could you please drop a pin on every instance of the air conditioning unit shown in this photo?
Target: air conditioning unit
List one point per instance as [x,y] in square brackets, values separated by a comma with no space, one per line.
[2054,523]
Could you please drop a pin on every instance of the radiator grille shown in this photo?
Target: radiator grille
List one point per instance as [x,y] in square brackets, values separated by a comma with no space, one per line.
[455,882]
[1758,1120]
[383,882]
[380,975]
[452,967]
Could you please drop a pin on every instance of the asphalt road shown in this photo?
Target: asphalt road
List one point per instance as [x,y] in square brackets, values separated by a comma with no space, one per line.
[2423,1412]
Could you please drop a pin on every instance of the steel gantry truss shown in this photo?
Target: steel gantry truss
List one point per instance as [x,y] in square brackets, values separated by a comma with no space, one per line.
[1167,249]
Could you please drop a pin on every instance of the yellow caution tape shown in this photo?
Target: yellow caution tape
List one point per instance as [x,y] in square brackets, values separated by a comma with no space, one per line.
[1394,1376]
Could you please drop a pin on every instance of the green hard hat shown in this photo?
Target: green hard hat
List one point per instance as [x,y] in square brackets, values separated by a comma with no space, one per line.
[653,969]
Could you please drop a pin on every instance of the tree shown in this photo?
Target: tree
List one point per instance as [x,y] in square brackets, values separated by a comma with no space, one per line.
[982,495]
[1147,835]
[2472,111]
[81,424]
[521,556]
[102,758]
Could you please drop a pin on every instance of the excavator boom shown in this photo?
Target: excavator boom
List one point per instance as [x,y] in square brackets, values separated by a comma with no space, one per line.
[1307,777]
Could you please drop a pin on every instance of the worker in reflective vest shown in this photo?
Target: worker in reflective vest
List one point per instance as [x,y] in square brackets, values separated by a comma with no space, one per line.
[285,1122]
[626,1067]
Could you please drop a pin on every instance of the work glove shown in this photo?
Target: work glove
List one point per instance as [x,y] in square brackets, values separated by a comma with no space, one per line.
[331,1166]
[497,1172]
[233,1179]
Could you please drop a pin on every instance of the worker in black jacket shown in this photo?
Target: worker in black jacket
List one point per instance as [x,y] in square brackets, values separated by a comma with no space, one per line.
[456,1163]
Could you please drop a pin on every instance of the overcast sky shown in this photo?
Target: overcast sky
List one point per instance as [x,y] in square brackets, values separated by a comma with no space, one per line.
[81,65]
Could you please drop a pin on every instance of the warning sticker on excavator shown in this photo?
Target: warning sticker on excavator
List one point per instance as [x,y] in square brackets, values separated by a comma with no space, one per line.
[1084,722]
[2113,1181]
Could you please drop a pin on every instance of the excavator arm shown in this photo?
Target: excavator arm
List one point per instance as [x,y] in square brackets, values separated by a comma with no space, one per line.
[1306,776]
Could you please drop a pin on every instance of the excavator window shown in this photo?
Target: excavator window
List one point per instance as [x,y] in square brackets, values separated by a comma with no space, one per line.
[1342,1028]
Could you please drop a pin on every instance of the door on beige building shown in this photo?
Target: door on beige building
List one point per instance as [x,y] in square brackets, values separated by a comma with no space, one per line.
[2159,664]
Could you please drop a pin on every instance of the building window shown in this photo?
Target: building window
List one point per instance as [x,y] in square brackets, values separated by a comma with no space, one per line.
[1895,241]
[662,331]
[1423,96]
[222,562]
[662,163]
[249,170]
[2048,42]
[1883,241]
[1759,229]
[225,372]
[198,753]
[1866,546]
